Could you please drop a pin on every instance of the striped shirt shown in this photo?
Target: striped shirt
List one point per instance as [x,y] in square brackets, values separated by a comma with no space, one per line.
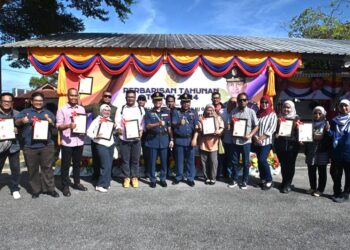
[252,122]
[267,126]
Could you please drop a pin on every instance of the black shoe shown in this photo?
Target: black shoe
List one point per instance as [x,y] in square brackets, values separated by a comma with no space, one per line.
[79,187]
[163,184]
[243,185]
[35,195]
[190,183]
[175,182]
[152,185]
[66,192]
[285,190]
[53,194]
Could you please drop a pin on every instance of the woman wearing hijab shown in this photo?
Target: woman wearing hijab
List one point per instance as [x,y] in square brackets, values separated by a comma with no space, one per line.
[104,148]
[264,138]
[287,147]
[317,152]
[340,132]
[208,145]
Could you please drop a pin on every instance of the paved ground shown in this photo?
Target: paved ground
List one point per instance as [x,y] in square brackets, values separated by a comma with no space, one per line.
[178,217]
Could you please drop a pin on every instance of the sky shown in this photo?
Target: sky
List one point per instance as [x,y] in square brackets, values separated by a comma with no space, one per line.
[261,18]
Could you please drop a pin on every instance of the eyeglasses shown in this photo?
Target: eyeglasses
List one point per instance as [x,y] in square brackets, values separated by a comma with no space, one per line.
[36,100]
[242,100]
[264,102]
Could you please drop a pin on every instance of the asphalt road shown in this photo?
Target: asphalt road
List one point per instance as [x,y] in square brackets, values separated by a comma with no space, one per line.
[177,217]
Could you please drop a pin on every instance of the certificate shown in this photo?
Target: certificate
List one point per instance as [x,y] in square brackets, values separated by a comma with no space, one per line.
[7,129]
[305,132]
[105,130]
[132,130]
[85,85]
[41,130]
[240,128]
[286,128]
[81,121]
[209,126]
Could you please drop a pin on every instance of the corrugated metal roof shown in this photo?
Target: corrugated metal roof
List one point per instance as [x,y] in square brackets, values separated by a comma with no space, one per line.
[193,42]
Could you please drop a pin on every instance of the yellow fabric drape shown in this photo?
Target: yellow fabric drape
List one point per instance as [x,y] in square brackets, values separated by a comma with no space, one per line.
[271,91]
[62,86]
[149,56]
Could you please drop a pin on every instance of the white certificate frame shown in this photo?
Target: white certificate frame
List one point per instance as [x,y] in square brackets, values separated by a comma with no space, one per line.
[105,130]
[132,129]
[305,132]
[85,85]
[208,126]
[286,128]
[7,129]
[81,123]
[41,131]
[239,127]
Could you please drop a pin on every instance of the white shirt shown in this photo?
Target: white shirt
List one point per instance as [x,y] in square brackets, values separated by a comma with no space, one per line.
[92,133]
[126,113]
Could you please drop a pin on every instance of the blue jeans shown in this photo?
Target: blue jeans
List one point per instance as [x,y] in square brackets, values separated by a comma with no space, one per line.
[152,158]
[228,163]
[244,150]
[264,168]
[105,155]
[184,153]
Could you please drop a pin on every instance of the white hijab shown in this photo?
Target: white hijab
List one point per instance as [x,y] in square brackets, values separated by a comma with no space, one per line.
[293,112]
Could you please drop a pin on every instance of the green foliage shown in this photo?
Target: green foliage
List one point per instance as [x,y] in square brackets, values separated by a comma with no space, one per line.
[316,23]
[36,82]
[27,19]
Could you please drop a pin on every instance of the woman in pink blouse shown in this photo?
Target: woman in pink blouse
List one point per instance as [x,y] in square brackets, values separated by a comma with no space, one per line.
[208,144]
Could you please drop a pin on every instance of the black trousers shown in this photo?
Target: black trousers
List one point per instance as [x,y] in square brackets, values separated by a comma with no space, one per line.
[130,151]
[14,166]
[287,160]
[43,158]
[70,154]
[322,176]
[336,170]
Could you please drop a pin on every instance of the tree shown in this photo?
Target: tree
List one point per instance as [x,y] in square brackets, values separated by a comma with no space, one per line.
[316,23]
[321,24]
[36,82]
[26,19]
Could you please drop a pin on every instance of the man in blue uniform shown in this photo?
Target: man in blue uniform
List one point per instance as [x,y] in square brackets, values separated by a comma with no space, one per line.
[185,122]
[159,137]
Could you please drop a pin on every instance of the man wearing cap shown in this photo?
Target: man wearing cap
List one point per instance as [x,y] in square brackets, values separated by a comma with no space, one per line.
[95,110]
[159,138]
[185,122]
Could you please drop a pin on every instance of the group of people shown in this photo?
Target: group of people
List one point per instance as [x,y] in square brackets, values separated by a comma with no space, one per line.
[164,131]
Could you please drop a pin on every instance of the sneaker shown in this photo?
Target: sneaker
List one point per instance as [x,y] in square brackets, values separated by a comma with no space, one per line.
[207,182]
[268,185]
[317,194]
[190,183]
[244,186]
[101,189]
[232,184]
[152,185]
[16,195]
[310,191]
[135,182]
[126,183]
[212,182]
